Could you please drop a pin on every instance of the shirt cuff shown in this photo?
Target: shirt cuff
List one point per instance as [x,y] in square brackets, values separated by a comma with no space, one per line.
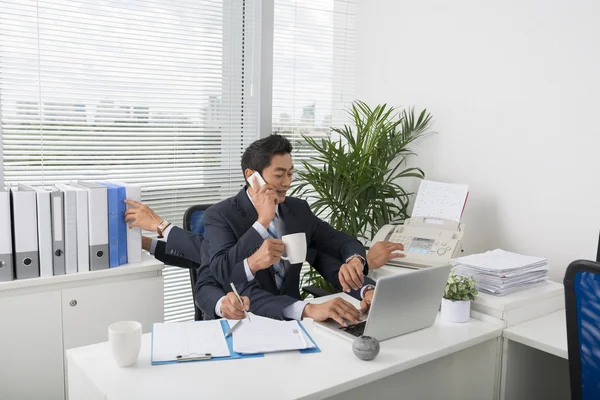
[362,290]
[249,274]
[153,245]
[261,230]
[295,310]
[218,307]
[166,232]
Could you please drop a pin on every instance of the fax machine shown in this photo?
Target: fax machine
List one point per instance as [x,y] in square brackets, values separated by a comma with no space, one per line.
[427,241]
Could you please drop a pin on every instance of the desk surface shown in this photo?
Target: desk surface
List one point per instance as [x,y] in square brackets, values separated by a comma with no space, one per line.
[547,333]
[277,376]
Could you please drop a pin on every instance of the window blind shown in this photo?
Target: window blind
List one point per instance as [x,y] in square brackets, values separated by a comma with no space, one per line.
[313,70]
[157,93]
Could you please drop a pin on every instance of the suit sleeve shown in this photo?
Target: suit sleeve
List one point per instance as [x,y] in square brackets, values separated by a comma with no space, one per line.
[328,240]
[208,291]
[265,303]
[226,252]
[161,255]
[329,267]
[183,244]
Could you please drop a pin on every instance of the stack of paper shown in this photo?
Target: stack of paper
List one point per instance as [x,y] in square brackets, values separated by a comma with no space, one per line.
[500,272]
[440,200]
[188,340]
[266,335]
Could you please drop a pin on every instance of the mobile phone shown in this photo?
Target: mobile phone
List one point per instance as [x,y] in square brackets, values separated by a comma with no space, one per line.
[256,177]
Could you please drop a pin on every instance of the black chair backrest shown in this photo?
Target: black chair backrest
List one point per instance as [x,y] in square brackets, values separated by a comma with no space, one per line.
[598,252]
[582,306]
[193,221]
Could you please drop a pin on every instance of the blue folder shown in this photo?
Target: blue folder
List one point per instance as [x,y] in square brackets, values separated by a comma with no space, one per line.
[121,224]
[113,231]
[229,340]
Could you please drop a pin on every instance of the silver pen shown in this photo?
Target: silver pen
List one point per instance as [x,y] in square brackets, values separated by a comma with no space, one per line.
[230,331]
[240,300]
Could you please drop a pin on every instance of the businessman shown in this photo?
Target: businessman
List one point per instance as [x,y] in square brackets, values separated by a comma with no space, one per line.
[242,252]
[244,238]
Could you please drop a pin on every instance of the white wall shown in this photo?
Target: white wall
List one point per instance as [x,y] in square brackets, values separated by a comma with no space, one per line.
[514,89]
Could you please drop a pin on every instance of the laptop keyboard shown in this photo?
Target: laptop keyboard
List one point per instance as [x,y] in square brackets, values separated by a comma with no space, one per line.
[356,329]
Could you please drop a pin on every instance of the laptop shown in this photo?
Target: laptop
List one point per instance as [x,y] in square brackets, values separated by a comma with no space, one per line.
[401,304]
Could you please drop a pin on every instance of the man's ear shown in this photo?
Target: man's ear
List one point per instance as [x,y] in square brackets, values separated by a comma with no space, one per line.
[247,173]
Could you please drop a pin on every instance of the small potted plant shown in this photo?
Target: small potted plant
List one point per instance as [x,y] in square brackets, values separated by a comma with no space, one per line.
[456,304]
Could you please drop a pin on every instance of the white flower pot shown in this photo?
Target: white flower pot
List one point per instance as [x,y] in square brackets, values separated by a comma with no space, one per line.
[455,311]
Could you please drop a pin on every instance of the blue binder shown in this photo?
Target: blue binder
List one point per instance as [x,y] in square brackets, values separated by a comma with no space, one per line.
[113,224]
[229,339]
[121,224]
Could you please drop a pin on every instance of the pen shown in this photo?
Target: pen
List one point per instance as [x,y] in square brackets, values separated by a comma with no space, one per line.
[230,331]
[240,300]
[206,356]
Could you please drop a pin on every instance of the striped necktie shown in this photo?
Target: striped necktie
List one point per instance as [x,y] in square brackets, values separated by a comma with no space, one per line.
[278,267]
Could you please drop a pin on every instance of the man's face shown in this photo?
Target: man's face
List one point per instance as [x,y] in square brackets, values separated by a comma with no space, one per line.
[279,174]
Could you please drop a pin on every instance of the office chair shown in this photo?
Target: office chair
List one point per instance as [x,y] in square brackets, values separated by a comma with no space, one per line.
[598,252]
[193,221]
[582,306]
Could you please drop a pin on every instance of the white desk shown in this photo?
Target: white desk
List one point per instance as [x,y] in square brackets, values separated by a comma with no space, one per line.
[535,360]
[450,361]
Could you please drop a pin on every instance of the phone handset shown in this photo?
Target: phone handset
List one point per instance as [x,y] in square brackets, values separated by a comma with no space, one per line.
[256,177]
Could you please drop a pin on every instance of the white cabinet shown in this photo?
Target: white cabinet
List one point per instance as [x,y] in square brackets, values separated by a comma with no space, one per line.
[88,311]
[31,354]
[41,318]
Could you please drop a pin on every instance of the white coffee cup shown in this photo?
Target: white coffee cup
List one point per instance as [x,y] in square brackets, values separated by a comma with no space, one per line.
[295,247]
[125,338]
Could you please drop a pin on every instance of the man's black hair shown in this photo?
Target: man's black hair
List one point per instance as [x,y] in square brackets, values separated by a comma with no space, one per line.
[258,155]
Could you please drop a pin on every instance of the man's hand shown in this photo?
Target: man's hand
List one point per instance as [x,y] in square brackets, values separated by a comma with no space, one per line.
[365,303]
[382,252]
[268,254]
[337,309]
[141,216]
[351,275]
[265,202]
[231,307]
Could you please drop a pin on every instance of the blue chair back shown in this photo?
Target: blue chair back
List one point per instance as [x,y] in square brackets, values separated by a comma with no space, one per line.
[193,221]
[582,303]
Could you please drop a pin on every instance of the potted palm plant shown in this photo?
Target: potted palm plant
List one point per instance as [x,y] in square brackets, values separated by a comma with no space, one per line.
[354,179]
[456,303]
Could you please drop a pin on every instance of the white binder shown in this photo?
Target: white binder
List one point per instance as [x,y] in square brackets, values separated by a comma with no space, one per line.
[44,227]
[70,216]
[134,235]
[6,253]
[98,224]
[83,231]
[57,199]
[25,239]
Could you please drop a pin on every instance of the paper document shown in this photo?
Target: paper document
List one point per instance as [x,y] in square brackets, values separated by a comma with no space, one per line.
[440,200]
[188,339]
[266,335]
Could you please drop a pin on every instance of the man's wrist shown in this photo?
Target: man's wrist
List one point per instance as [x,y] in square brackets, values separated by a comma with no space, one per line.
[357,256]
[264,222]
[307,310]
[365,289]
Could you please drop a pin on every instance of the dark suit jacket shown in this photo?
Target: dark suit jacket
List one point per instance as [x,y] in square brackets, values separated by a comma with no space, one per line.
[208,291]
[231,239]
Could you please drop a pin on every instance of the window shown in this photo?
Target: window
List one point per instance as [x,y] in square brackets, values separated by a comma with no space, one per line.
[149,92]
[313,68]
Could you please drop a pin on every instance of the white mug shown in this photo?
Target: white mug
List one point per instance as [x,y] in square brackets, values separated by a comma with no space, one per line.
[125,339]
[295,247]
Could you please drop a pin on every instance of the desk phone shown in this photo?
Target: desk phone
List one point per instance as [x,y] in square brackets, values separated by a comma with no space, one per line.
[427,241]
